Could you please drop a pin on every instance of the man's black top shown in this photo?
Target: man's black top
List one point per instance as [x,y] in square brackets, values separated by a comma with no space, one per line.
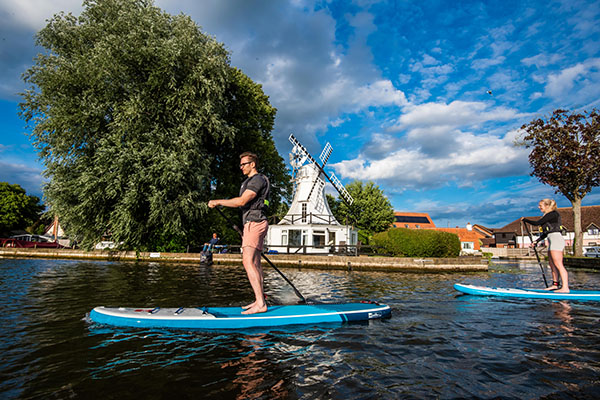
[255,209]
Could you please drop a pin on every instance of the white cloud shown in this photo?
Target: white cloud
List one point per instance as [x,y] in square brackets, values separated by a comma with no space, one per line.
[34,13]
[484,63]
[29,178]
[467,159]
[560,84]
[542,60]
[457,113]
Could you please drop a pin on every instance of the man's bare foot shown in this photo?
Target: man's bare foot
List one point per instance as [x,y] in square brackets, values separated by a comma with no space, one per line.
[562,290]
[255,309]
[252,304]
[552,287]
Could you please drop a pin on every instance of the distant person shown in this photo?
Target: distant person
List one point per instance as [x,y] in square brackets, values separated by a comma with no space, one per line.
[252,201]
[551,229]
[211,243]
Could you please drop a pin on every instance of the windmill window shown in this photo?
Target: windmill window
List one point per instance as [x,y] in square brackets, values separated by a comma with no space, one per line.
[303,212]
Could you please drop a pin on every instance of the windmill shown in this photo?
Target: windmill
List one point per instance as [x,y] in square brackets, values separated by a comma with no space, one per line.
[309,220]
[301,155]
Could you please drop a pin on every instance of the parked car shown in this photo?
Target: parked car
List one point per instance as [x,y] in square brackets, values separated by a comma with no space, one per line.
[591,251]
[31,238]
[29,241]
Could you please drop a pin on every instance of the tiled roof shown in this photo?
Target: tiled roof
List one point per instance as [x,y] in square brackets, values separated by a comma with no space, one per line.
[463,233]
[590,215]
[484,230]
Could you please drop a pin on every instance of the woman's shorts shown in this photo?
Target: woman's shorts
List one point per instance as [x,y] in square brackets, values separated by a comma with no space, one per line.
[254,234]
[556,241]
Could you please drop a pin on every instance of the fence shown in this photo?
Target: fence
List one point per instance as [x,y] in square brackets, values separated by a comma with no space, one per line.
[506,252]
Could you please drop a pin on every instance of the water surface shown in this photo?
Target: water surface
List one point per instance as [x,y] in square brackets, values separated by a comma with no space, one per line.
[438,344]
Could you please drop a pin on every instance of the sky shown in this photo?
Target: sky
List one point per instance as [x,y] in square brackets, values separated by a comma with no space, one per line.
[424,98]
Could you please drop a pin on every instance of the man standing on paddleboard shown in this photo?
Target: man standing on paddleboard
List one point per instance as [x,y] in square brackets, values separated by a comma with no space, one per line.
[253,201]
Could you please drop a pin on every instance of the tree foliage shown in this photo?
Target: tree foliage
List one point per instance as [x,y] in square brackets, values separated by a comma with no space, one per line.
[139,119]
[371,210]
[565,151]
[17,209]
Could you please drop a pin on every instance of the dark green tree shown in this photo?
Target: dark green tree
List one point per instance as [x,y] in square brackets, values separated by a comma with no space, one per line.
[371,210]
[564,154]
[253,117]
[134,114]
[17,209]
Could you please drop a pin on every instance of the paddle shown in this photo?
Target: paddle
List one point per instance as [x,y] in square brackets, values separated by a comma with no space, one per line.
[536,253]
[237,229]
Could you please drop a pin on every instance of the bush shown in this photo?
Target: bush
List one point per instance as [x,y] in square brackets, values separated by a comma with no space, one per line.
[417,243]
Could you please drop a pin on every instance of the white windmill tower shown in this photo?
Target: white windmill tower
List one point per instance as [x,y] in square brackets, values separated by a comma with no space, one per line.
[309,225]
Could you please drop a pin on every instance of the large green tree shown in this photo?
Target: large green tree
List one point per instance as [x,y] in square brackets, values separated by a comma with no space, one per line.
[371,210]
[17,209]
[565,148]
[135,113]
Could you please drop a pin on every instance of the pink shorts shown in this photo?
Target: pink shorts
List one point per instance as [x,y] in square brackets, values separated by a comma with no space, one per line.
[254,234]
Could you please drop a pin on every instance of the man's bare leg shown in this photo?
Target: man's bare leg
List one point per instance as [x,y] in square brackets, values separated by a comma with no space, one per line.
[251,260]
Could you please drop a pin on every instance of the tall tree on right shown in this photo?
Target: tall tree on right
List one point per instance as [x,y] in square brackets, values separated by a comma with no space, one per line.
[371,211]
[565,153]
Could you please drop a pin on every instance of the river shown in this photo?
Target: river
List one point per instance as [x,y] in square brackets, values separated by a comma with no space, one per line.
[437,344]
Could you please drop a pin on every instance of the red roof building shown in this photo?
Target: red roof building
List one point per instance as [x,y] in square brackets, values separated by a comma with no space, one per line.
[412,220]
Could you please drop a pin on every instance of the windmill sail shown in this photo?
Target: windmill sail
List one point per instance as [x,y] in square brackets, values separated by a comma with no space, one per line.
[346,197]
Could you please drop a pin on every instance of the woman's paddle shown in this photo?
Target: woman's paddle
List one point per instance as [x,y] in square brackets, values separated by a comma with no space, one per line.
[237,229]
[536,253]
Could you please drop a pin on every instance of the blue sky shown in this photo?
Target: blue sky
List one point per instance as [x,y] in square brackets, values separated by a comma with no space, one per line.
[399,88]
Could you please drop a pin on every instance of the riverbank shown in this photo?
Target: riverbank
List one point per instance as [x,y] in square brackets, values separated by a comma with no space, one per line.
[335,262]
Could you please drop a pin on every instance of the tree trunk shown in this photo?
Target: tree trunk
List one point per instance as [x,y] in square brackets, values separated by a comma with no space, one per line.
[578,248]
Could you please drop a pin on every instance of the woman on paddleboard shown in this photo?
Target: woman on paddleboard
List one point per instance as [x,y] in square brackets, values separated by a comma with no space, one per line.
[551,230]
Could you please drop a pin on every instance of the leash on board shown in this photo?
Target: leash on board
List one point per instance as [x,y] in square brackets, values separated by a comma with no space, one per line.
[536,253]
[237,229]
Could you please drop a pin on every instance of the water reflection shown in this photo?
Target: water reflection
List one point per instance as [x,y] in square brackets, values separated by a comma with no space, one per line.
[251,370]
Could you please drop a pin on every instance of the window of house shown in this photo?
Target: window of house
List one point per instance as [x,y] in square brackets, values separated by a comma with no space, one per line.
[295,237]
[468,245]
[331,238]
[593,230]
[318,239]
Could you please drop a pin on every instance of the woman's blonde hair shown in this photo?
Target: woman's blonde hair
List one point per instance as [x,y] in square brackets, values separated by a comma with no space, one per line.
[549,203]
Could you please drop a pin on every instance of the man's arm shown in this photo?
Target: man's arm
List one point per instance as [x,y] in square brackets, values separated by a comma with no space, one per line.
[239,201]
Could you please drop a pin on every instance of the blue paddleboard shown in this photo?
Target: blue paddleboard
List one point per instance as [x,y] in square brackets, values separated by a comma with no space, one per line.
[232,318]
[528,293]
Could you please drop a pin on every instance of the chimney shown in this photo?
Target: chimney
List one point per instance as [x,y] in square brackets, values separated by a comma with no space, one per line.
[469,226]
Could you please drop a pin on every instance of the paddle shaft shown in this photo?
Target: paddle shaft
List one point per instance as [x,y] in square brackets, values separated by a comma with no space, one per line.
[238,230]
[536,253]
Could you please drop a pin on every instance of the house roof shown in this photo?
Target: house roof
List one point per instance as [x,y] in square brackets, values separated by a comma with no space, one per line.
[464,234]
[412,219]
[484,230]
[590,216]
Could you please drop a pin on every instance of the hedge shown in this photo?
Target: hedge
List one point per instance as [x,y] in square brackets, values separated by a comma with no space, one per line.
[402,242]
